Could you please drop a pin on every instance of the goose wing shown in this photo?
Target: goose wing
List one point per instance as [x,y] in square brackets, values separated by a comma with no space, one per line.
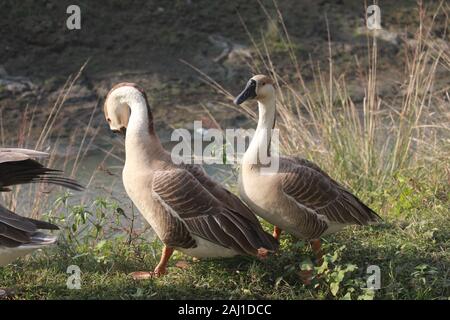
[318,196]
[18,167]
[17,154]
[306,163]
[16,230]
[222,194]
[183,197]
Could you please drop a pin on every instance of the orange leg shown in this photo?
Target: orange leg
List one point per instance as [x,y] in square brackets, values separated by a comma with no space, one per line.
[277,232]
[160,269]
[306,275]
[317,249]
[262,253]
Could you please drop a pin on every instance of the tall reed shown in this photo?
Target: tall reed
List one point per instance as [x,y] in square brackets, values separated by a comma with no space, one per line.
[364,145]
[35,199]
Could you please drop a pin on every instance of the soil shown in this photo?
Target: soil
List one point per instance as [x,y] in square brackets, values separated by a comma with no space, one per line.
[146,41]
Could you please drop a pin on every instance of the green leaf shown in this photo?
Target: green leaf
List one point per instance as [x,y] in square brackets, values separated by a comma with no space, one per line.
[100,245]
[348,296]
[369,294]
[334,287]
[278,281]
[323,268]
[306,265]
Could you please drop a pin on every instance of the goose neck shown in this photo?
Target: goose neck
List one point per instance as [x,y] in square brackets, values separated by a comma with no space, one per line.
[260,144]
[141,142]
[266,115]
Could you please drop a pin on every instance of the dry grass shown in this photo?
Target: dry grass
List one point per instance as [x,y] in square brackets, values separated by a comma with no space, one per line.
[362,144]
[48,140]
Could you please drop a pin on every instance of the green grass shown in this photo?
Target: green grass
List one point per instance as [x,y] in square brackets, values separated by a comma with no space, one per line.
[411,247]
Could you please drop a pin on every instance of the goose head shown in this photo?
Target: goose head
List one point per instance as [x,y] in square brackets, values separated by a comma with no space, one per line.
[259,87]
[118,102]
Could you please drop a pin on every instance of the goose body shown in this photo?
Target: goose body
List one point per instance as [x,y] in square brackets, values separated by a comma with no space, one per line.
[8,255]
[302,200]
[187,210]
[19,235]
[165,195]
[299,197]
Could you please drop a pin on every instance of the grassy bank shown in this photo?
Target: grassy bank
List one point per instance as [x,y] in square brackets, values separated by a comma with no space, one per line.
[411,248]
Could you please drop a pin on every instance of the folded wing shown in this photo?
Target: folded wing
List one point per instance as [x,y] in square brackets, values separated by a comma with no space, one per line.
[183,196]
[321,199]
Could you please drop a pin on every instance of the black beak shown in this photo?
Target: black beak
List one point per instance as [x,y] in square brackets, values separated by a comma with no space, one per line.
[122,131]
[248,93]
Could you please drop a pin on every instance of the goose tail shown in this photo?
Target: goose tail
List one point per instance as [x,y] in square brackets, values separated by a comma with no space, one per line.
[39,239]
[56,179]
[270,243]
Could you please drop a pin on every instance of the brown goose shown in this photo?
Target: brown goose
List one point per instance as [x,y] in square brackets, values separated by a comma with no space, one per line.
[19,235]
[187,210]
[299,197]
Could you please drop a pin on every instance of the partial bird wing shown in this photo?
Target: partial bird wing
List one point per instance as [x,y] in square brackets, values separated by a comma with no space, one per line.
[219,192]
[17,154]
[320,196]
[183,197]
[16,230]
[306,163]
[17,167]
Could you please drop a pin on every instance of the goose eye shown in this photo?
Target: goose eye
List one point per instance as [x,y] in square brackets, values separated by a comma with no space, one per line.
[263,84]
[109,120]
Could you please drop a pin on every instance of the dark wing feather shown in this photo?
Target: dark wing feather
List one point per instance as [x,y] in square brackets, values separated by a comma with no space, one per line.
[16,230]
[220,193]
[318,193]
[183,195]
[16,167]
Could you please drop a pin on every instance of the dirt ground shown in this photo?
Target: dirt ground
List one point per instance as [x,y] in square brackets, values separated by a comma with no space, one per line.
[145,41]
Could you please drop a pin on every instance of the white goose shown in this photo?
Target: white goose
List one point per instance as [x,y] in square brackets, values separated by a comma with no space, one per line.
[19,235]
[299,198]
[187,210]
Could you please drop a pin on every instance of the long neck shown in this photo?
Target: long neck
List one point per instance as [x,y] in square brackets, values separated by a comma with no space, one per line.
[141,142]
[260,144]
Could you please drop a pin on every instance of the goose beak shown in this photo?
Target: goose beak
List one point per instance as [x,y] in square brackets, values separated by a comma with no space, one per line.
[122,131]
[248,93]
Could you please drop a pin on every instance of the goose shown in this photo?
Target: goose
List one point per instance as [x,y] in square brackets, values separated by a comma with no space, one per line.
[188,211]
[19,235]
[299,197]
